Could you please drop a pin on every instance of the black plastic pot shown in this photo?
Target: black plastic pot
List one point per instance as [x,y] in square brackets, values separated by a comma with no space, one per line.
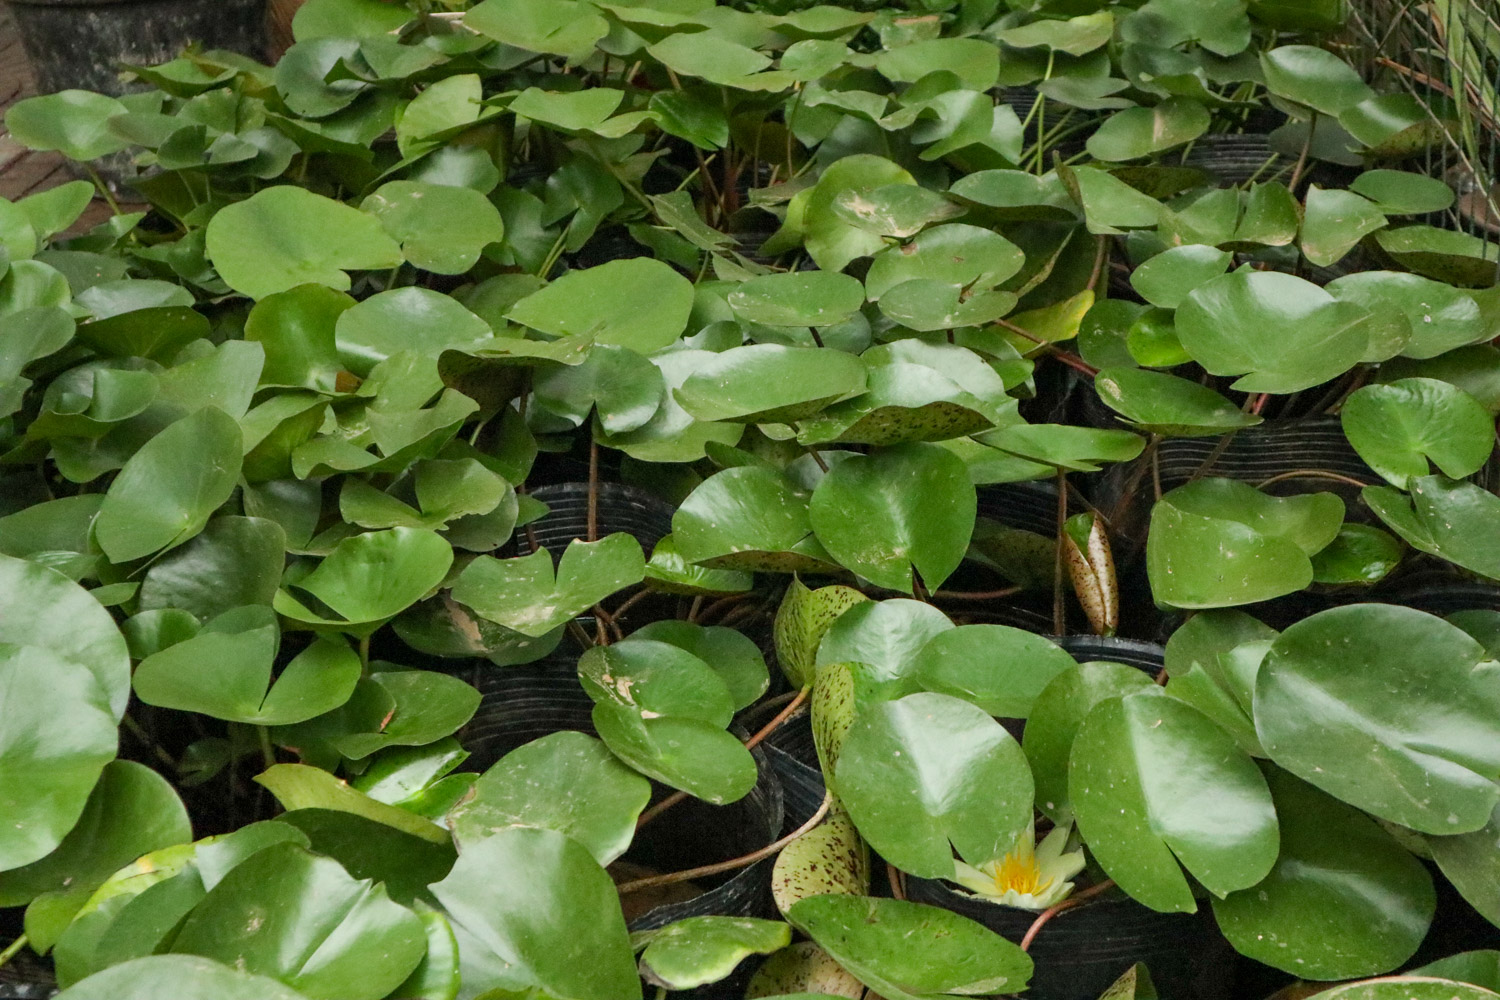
[1147,657]
[521,704]
[81,43]
[634,511]
[1082,951]
[1439,592]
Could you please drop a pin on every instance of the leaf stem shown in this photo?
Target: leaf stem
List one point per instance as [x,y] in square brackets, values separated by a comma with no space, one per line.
[13,949]
[267,752]
[1059,608]
[781,717]
[1067,904]
[103,188]
[1312,474]
[727,866]
[139,732]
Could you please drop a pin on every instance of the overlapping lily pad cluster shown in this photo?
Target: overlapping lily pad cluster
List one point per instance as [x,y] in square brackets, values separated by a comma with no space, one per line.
[818,276]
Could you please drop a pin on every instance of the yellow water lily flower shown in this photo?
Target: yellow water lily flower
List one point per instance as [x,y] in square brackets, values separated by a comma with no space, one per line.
[1031,877]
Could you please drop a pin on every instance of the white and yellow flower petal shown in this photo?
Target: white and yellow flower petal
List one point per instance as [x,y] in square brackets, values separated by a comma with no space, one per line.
[1031,877]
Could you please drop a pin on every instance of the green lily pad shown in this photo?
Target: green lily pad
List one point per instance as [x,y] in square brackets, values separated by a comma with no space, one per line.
[668,571]
[999,668]
[1469,862]
[897,210]
[701,950]
[371,577]
[167,491]
[296,329]
[1063,446]
[798,298]
[1400,192]
[299,787]
[1055,716]
[440,228]
[909,951]
[829,858]
[1314,78]
[185,976]
[637,303]
[533,910]
[1280,333]
[318,930]
[884,777]
[1359,554]
[732,655]
[748,518]
[1453,521]
[1334,222]
[604,801]
[954,254]
[527,595]
[1154,782]
[73,122]
[1441,254]
[624,389]
[558,27]
[1367,742]
[1218,542]
[832,241]
[1399,427]
[1165,404]
[1138,132]
[910,507]
[1167,279]
[1429,317]
[286,236]
[769,383]
[1343,900]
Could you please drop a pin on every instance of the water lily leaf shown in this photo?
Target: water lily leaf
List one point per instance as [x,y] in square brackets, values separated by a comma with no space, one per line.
[910,507]
[301,787]
[1166,279]
[235,687]
[769,383]
[829,858]
[1368,738]
[405,319]
[1062,446]
[73,122]
[1109,204]
[1344,899]
[898,210]
[532,909]
[1165,404]
[1469,861]
[1359,554]
[1053,723]
[389,708]
[1400,192]
[731,654]
[802,620]
[296,329]
[626,388]
[907,402]
[440,228]
[320,931]
[525,594]
[999,668]
[1075,36]
[672,435]
[1438,317]
[286,236]
[1314,78]
[803,971]
[884,637]
[669,572]
[558,27]
[236,561]
[701,950]
[1271,216]
[184,976]
[798,298]
[885,778]
[637,303]
[1218,542]
[166,492]
[577,111]
[1399,427]
[566,782]
[748,518]
[1137,132]
[663,711]
[694,114]
[710,56]
[1280,333]
[371,577]
[909,951]
[1154,782]
[1453,521]
[832,241]
[1334,223]
[954,254]
[132,811]
[1408,987]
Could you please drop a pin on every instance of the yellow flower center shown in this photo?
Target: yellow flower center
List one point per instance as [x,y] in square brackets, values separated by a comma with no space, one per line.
[1021,874]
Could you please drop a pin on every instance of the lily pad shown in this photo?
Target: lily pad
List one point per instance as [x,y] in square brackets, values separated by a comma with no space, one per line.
[527,595]
[1399,427]
[798,298]
[286,236]
[440,228]
[1370,742]
[637,303]
[371,577]
[802,620]
[701,950]
[1166,404]
[769,383]
[1451,520]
